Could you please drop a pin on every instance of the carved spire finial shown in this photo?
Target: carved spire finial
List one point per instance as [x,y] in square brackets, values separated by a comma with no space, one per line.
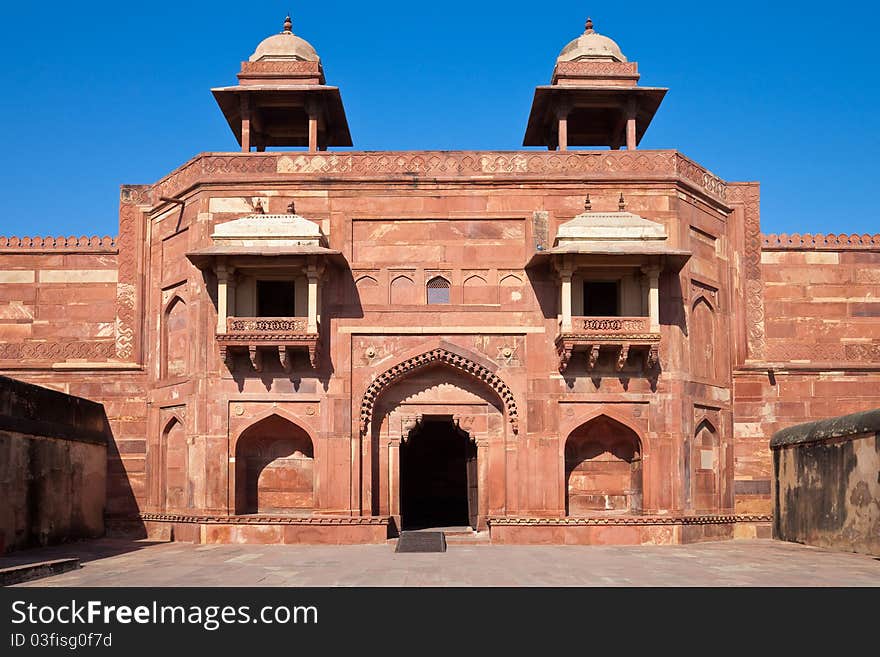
[621,204]
[291,208]
[288,25]
[587,204]
[588,28]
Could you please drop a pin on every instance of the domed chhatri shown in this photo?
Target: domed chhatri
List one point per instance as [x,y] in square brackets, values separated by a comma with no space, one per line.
[593,99]
[282,100]
[285,46]
[591,45]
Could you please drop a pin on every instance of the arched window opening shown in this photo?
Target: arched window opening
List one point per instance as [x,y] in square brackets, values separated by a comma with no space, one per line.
[438,290]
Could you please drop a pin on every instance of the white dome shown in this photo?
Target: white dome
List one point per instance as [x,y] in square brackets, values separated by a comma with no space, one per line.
[285,45]
[591,45]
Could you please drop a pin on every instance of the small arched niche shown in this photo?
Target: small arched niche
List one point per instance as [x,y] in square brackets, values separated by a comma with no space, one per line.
[368,290]
[702,339]
[175,465]
[175,339]
[706,467]
[274,468]
[603,469]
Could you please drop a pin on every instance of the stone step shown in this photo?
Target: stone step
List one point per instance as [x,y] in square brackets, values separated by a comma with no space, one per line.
[471,538]
[28,571]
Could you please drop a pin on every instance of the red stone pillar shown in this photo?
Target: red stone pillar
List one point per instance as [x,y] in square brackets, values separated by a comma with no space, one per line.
[245,125]
[312,111]
[482,483]
[631,126]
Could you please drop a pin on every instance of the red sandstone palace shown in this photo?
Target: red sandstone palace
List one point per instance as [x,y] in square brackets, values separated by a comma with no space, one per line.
[547,346]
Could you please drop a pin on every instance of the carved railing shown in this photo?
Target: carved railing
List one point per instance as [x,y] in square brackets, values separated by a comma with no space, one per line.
[256,334]
[273,325]
[618,334]
[611,325]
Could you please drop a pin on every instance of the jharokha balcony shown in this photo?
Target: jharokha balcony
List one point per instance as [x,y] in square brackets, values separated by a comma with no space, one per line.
[620,335]
[257,335]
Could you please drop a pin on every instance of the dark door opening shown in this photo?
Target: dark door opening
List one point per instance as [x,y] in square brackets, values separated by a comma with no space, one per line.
[600,299]
[437,475]
[276,299]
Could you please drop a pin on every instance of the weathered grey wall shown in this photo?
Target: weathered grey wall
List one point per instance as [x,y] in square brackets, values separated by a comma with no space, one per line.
[53,466]
[827,483]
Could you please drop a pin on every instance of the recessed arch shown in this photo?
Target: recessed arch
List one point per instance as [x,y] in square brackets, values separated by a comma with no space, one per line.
[174,347]
[603,468]
[705,300]
[705,466]
[474,281]
[438,356]
[175,464]
[274,467]
[403,290]
[368,289]
[702,338]
[475,290]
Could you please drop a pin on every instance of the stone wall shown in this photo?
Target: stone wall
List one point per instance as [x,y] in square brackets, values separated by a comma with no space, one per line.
[57,300]
[826,487]
[821,355]
[53,465]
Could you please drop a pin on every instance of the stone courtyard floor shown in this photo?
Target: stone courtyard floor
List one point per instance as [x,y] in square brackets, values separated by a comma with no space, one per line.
[110,562]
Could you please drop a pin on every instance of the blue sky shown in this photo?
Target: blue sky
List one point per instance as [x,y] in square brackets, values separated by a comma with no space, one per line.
[97,94]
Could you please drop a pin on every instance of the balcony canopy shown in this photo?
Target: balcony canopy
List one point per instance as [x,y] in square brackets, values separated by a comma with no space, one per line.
[614,234]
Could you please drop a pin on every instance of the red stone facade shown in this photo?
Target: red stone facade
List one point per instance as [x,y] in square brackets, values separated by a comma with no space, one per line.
[438,352]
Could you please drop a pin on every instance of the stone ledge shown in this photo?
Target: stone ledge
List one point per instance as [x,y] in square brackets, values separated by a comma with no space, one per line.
[836,427]
[266,519]
[29,571]
[629,520]
[44,413]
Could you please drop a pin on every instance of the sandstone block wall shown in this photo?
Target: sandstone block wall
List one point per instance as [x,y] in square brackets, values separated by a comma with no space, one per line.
[821,352]
[53,464]
[826,488]
[57,300]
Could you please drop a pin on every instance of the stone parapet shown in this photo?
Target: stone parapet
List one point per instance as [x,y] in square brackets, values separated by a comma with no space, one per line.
[441,165]
[829,242]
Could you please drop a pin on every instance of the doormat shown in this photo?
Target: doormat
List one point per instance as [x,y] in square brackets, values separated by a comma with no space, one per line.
[421,542]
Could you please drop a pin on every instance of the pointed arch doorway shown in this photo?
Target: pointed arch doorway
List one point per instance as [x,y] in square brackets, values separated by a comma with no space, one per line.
[438,476]
[473,422]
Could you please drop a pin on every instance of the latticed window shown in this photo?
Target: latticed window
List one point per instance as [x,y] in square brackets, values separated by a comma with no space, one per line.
[438,290]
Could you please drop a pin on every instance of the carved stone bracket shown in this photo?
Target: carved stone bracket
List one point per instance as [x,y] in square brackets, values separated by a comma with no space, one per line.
[564,350]
[284,357]
[256,357]
[409,424]
[567,343]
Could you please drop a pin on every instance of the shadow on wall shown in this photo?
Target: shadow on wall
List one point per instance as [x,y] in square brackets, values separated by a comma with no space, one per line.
[53,466]
[826,489]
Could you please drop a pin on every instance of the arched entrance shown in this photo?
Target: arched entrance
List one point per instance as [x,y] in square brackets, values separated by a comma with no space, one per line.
[274,468]
[469,417]
[438,476]
[603,469]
